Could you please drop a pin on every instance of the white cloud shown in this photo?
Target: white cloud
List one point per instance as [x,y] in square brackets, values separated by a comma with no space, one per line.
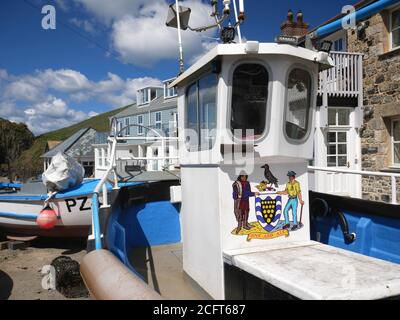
[62,4]
[86,25]
[138,31]
[51,114]
[3,74]
[22,90]
[108,11]
[64,80]
[45,100]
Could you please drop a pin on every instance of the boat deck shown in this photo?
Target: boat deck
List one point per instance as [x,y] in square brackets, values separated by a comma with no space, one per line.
[162,268]
[313,271]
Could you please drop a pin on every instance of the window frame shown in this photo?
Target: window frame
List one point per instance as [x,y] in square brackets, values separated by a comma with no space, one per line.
[391,28]
[127,125]
[393,142]
[168,90]
[201,76]
[337,125]
[140,123]
[268,106]
[312,104]
[158,122]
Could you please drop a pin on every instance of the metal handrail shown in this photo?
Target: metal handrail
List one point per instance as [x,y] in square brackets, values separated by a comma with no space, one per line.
[393,176]
[101,186]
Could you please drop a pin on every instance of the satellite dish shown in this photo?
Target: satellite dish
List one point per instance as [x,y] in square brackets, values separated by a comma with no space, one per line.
[184,15]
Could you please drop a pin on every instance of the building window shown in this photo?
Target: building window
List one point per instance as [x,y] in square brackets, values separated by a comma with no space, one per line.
[158,120]
[119,128]
[140,123]
[396,142]
[339,125]
[338,117]
[337,149]
[338,45]
[249,101]
[128,129]
[201,113]
[169,92]
[298,104]
[145,96]
[395,28]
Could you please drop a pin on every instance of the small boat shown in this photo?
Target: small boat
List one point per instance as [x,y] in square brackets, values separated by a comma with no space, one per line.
[19,211]
[9,187]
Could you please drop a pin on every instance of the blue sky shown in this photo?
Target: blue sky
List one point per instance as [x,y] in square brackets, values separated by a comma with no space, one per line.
[102,51]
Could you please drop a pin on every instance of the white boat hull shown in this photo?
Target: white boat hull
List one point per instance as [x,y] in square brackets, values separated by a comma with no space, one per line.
[74,213]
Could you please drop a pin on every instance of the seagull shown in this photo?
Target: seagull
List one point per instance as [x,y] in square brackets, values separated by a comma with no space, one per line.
[270,178]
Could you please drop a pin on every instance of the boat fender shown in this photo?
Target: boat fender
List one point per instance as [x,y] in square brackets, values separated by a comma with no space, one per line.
[47,218]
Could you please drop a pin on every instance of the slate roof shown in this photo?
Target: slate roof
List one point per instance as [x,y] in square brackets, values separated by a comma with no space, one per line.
[67,144]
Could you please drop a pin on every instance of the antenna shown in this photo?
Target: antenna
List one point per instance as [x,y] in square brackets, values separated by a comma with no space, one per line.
[237,20]
[178,17]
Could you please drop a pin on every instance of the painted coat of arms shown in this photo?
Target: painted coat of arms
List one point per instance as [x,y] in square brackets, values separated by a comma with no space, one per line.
[273,219]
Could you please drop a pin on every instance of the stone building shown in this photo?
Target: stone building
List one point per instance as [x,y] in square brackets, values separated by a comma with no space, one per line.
[380,45]
[358,116]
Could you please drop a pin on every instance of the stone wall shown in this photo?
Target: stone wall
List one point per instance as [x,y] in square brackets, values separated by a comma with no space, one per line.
[381,102]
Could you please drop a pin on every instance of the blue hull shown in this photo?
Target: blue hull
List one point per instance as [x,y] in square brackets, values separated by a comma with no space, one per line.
[142,217]
[376,226]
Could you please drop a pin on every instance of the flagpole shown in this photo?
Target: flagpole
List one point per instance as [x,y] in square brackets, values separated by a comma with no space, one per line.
[181,62]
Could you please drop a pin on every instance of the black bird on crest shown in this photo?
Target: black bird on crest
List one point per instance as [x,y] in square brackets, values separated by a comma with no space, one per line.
[270,178]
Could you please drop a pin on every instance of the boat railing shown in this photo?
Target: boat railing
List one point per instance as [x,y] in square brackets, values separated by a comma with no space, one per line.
[113,140]
[393,177]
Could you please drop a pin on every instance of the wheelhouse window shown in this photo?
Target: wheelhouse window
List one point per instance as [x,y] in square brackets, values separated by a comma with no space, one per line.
[201,113]
[249,101]
[396,142]
[395,28]
[298,104]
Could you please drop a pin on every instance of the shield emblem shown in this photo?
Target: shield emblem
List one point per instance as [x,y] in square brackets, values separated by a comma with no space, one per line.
[269,211]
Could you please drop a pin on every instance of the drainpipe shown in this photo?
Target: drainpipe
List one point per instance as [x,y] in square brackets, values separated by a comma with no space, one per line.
[357,16]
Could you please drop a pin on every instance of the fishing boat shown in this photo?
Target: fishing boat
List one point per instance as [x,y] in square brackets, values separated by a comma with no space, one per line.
[246,117]
[19,212]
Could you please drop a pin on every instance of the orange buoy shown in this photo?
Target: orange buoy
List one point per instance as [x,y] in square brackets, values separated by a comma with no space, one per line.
[47,219]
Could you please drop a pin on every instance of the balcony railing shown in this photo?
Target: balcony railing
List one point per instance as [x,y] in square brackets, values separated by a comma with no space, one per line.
[345,79]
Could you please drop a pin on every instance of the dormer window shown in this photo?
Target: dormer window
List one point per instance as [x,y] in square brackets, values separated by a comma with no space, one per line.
[169,92]
[147,95]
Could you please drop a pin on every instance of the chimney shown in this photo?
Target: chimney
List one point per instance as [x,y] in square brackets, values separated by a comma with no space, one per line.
[294,29]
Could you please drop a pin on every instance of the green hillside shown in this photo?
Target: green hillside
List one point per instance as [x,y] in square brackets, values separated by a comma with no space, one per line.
[30,163]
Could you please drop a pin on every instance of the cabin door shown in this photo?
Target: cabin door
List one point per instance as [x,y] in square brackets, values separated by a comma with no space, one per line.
[340,152]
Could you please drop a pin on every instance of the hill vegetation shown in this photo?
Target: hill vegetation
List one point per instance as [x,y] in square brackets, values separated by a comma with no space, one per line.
[14,139]
[30,164]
